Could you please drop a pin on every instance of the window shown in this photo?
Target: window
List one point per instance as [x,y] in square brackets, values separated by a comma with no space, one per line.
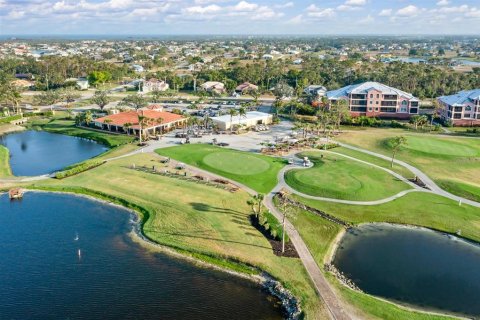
[413,110]
[457,116]
[403,109]
[404,102]
[370,109]
[371,95]
[376,109]
[371,102]
[468,108]
[376,102]
[378,96]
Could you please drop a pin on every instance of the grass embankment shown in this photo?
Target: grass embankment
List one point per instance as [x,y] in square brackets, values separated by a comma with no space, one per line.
[451,160]
[253,170]
[204,222]
[5,170]
[334,176]
[319,235]
[68,127]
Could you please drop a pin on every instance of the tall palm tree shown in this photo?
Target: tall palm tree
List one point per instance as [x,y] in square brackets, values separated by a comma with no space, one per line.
[158,121]
[127,126]
[242,113]
[232,113]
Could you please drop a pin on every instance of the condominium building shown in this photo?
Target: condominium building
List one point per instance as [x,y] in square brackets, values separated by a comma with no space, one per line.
[373,99]
[462,108]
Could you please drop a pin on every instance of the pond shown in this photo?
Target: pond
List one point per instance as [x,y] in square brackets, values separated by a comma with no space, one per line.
[413,266]
[35,153]
[67,257]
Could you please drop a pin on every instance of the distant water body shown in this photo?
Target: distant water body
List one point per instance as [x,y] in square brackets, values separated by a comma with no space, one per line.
[67,257]
[38,152]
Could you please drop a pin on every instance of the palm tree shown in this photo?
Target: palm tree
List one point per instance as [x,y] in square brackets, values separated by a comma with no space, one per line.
[242,113]
[108,121]
[285,209]
[232,113]
[127,126]
[142,122]
[158,121]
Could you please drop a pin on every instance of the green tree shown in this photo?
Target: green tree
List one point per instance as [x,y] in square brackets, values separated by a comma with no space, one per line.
[232,113]
[396,143]
[99,77]
[69,95]
[100,98]
[134,101]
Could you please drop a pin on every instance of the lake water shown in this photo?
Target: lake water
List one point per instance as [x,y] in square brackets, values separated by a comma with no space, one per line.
[66,257]
[35,153]
[418,267]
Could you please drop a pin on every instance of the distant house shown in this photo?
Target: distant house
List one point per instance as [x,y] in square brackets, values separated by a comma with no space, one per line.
[298,61]
[137,68]
[373,99]
[24,76]
[213,86]
[462,108]
[154,85]
[315,90]
[82,84]
[246,87]
[267,57]
[127,122]
[251,119]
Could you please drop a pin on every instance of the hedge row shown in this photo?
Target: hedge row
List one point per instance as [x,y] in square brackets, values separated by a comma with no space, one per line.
[81,167]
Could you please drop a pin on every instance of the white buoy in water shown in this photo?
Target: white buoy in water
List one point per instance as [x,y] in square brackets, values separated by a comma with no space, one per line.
[79,254]
[76,237]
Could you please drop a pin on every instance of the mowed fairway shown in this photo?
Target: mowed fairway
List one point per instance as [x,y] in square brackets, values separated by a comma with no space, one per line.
[253,170]
[4,162]
[442,147]
[335,176]
[452,162]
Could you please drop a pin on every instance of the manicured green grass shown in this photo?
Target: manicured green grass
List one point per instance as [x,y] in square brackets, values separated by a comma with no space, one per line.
[375,160]
[417,208]
[441,157]
[67,127]
[253,170]
[334,176]
[4,162]
[442,147]
[205,222]
[464,190]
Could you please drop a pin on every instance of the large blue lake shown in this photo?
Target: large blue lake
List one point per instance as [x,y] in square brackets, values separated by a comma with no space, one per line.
[417,267]
[35,153]
[66,257]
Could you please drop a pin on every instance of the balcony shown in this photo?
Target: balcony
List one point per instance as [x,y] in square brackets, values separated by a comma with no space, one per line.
[389,103]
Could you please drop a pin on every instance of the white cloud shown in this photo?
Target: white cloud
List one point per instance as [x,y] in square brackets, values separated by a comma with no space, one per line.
[298,19]
[368,19]
[284,5]
[213,8]
[356,2]
[245,6]
[443,3]
[408,11]
[385,13]
[321,13]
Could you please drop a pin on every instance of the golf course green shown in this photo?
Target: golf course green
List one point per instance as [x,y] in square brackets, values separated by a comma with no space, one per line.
[334,176]
[256,171]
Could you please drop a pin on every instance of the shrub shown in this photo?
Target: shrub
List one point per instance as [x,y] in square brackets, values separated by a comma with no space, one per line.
[76,169]
[10,119]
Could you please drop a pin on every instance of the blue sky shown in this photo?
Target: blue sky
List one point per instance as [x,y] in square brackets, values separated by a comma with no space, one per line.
[239,17]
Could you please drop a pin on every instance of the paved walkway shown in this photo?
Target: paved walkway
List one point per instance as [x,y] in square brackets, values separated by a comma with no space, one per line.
[422,176]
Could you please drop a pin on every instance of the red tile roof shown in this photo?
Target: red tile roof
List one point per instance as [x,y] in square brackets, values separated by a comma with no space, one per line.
[120,119]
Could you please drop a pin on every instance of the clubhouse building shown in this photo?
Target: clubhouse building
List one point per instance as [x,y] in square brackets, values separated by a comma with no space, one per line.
[462,108]
[129,122]
[251,119]
[373,99]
